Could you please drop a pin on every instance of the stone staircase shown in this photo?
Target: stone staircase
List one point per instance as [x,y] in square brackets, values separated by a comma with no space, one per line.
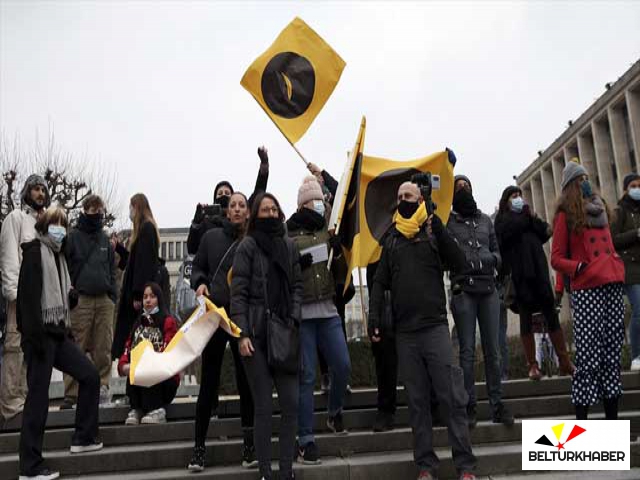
[162,451]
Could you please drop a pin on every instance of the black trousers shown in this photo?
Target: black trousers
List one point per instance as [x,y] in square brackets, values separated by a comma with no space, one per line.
[386,359]
[262,379]
[152,398]
[426,366]
[212,357]
[64,355]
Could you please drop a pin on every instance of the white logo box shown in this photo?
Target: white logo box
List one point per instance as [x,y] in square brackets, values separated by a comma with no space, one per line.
[586,444]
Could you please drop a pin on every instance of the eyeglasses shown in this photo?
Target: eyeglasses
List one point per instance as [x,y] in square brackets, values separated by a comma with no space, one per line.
[269,210]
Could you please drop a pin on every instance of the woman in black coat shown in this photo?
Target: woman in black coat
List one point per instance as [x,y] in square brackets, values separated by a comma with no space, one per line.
[142,267]
[521,235]
[266,268]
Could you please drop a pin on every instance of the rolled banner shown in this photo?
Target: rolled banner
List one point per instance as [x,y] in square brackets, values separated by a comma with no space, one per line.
[149,368]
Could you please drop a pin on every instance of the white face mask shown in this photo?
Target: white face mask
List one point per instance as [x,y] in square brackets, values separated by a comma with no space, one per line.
[318,207]
[57,233]
[153,311]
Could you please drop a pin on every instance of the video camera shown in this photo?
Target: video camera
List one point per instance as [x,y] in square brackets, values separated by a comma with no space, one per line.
[427,182]
[211,211]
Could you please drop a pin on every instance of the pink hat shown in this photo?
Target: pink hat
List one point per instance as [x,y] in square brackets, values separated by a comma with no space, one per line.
[309,190]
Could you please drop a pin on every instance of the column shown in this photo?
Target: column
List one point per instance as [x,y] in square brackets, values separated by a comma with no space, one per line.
[588,156]
[620,143]
[548,190]
[633,107]
[570,151]
[537,195]
[526,193]
[557,164]
[604,162]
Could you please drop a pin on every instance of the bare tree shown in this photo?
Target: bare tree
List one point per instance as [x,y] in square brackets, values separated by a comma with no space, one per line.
[70,179]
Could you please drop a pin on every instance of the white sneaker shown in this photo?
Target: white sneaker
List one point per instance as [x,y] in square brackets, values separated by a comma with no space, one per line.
[133,418]
[45,474]
[635,364]
[105,396]
[155,417]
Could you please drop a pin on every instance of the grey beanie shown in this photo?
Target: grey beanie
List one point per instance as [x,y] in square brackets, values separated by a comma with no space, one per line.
[572,170]
[32,181]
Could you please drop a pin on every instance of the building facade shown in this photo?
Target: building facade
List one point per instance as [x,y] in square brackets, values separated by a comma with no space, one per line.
[606,138]
[173,249]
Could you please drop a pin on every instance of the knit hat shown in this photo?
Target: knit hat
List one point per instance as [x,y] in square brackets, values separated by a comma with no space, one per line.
[223,183]
[309,190]
[628,179]
[33,181]
[462,177]
[572,170]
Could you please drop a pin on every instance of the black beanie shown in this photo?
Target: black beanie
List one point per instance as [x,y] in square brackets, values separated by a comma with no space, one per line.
[628,179]
[223,183]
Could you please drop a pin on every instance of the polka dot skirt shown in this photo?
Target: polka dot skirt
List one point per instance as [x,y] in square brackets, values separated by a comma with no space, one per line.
[598,330]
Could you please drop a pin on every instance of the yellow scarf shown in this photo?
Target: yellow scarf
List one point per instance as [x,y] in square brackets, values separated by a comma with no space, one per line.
[409,227]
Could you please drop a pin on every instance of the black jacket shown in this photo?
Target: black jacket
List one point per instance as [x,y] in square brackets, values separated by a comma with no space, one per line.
[247,290]
[412,269]
[198,229]
[29,304]
[214,246]
[624,230]
[142,267]
[476,238]
[91,263]
[521,237]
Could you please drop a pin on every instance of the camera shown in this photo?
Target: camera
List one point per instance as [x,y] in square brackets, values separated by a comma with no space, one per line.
[427,182]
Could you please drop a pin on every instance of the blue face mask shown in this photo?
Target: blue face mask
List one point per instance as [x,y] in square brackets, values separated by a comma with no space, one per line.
[57,233]
[634,193]
[587,191]
[517,204]
[318,207]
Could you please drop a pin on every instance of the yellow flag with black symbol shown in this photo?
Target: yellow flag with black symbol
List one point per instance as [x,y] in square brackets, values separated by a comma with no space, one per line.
[294,78]
[373,199]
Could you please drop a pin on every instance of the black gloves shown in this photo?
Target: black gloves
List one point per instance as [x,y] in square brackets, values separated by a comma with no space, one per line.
[306,261]
[336,244]
[199,215]
[437,227]
[262,153]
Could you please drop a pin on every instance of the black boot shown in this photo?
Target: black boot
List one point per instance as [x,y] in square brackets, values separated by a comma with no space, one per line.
[582,412]
[611,408]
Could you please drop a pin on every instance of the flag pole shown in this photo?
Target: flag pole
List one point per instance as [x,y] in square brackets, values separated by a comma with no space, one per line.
[364,312]
[306,162]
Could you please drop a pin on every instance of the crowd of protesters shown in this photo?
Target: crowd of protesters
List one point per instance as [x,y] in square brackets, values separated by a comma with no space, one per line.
[271,275]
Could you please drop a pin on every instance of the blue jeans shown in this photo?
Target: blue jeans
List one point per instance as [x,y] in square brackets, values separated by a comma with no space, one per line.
[326,335]
[633,292]
[485,308]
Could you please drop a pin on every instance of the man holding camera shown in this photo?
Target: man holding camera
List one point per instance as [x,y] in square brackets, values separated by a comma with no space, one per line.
[474,296]
[411,269]
[210,216]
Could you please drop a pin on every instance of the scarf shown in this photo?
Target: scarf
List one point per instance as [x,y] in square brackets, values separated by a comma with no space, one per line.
[55,284]
[306,219]
[464,204]
[90,223]
[269,235]
[596,213]
[409,227]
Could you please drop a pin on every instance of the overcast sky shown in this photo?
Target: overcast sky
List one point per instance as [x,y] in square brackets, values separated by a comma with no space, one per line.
[153,87]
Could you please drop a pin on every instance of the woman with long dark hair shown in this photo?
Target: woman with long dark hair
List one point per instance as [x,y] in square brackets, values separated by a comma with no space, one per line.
[155,324]
[584,254]
[142,267]
[266,283]
[521,235]
[209,277]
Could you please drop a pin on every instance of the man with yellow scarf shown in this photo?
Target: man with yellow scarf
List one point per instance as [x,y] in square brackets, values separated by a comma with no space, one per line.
[411,267]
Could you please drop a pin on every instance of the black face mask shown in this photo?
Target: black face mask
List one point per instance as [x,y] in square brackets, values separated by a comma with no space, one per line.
[223,201]
[407,209]
[463,203]
[270,226]
[91,222]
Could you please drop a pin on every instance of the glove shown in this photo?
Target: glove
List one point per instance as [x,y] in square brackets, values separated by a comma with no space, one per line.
[306,261]
[437,227]
[199,215]
[336,244]
[452,157]
[262,153]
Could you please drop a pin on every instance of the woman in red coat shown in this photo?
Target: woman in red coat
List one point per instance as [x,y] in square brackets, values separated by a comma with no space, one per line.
[156,325]
[583,253]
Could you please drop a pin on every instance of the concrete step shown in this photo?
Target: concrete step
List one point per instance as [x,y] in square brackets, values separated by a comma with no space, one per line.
[494,461]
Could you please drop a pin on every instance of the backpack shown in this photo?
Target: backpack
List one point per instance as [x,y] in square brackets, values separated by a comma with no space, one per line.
[186,301]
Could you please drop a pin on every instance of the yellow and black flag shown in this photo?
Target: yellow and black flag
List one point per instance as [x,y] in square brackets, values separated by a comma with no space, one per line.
[293,79]
[371,201]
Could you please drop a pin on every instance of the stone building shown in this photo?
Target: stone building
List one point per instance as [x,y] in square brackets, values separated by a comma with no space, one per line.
[606,138]
[173,248]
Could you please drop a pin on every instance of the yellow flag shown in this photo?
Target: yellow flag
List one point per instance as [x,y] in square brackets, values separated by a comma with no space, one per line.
[293,79]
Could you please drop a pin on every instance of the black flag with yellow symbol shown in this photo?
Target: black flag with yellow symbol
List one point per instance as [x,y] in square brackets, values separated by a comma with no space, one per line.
[293,79]
[372,201]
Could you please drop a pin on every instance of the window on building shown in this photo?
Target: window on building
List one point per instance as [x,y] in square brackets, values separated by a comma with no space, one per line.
[171,245]
[185,253]
[178,250]
[163,250]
